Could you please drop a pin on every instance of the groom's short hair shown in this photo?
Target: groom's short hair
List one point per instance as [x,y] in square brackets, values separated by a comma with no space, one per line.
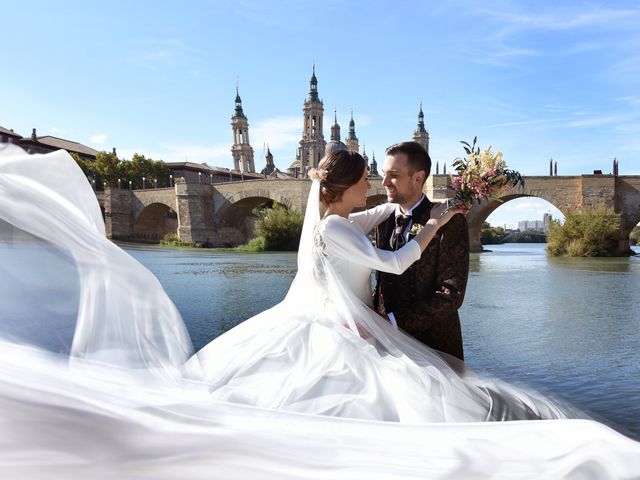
[417,156]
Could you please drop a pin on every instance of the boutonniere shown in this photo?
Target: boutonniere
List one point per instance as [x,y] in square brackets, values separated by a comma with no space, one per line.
[415,229]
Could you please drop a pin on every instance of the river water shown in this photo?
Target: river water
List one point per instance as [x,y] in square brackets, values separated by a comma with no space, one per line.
[567,327]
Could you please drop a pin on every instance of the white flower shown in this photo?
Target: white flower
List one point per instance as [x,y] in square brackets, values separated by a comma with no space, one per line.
[416,228]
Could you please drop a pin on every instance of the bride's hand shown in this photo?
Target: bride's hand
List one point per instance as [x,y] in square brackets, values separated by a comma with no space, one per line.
[444,211]
[440,215]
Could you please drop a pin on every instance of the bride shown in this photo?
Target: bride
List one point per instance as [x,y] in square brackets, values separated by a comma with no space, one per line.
[97,375]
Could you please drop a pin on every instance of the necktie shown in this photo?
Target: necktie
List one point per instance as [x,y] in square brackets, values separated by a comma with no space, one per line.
[397,237]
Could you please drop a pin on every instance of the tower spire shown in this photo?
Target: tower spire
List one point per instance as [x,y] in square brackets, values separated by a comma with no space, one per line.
[241,150]
[335,128]
[313,87]
[352,140]
[312,144]
[421,135]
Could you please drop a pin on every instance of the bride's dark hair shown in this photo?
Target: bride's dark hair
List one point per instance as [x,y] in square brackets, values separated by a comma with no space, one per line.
[338,171]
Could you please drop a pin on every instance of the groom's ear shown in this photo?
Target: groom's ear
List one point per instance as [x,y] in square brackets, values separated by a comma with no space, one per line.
[420,177]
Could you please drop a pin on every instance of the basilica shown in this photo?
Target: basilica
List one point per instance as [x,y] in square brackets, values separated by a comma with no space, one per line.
[312,145]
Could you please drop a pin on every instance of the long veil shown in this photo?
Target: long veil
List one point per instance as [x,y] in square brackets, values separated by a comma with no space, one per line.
[97,376]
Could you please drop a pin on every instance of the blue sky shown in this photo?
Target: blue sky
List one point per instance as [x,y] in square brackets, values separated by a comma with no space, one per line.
[534,79]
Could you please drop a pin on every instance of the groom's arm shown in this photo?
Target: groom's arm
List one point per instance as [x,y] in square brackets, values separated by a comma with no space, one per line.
[451,280]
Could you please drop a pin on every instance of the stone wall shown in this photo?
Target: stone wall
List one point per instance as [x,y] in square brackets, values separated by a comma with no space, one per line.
[195,213]
[598,190]
[118,213]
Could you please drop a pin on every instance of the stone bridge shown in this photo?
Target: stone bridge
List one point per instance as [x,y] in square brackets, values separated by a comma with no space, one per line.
[220,214]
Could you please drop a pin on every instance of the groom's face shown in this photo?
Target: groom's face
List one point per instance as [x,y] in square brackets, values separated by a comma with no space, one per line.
[402,186]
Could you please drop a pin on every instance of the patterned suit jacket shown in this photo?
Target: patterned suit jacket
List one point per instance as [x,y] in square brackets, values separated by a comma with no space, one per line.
[426,297]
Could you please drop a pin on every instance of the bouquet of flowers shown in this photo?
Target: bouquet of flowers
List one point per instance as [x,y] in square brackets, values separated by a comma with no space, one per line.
[481,175]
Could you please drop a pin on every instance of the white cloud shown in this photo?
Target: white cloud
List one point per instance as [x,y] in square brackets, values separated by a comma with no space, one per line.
[598,121]
[564,20]
[523,122]
[99,139]
[634,101]
[279,133]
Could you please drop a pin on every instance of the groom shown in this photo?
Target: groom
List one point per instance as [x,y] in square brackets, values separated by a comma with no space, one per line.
[424,300]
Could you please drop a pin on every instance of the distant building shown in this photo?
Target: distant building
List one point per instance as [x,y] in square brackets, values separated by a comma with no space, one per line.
[352,140]
[9,136]
[312,144]
[48,143]
[335,144]
[531,225]
[203,173]
[421,135]
[241,150]
[536,225]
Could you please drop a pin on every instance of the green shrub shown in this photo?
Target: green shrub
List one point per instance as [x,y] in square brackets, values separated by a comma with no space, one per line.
[172,240]
[590,233]
[634,236]
[491,235]
[257,244]
[278,229]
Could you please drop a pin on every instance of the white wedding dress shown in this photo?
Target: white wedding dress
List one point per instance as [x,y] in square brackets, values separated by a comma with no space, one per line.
[98,377]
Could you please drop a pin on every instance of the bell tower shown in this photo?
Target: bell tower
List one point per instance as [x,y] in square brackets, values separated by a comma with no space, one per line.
[241,150]
[312,144]
[421,135]
[352,140]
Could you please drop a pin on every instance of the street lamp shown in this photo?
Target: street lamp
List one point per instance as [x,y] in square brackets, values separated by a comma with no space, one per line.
[211,178]
[119,183]
[171,180]
[199,177]
[144,183]
[155,183]
[130,185]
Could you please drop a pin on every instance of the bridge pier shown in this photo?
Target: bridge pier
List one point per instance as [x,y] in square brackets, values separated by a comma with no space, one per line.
[195,213]
[118,211]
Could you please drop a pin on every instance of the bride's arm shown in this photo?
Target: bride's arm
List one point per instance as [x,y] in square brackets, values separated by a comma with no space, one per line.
[346,242]
[370,218]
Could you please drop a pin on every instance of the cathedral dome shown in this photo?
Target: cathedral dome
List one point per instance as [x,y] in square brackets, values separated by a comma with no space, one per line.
[334,146]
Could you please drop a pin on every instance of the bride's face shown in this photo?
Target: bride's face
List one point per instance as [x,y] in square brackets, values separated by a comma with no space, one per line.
[356,194]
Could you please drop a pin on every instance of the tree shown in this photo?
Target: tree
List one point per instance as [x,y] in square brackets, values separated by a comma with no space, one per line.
[491,235]
[279,229]
[140,167]
[634,236]
[107,166]
[594,232]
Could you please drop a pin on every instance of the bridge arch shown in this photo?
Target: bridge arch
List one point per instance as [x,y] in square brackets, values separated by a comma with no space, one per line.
[479,214]
[154,222]
[235,221]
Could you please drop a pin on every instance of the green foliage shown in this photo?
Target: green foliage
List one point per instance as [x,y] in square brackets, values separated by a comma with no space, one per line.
[108,168]
[140,167]
[497,235]
[278,229]
[172,240]
[634,236]
[590,233]
[257,244]
[491,235]
[527,237]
